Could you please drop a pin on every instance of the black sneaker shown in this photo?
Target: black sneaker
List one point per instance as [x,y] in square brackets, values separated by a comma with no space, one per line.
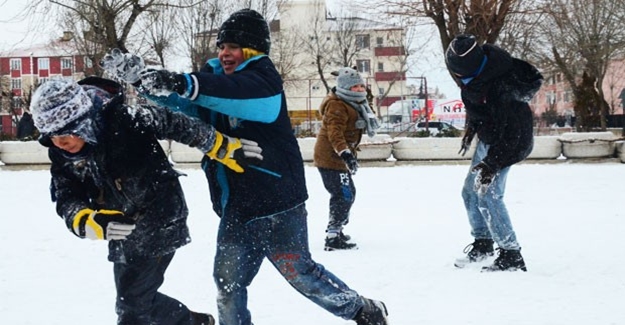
[372,313]
[345,237]
[477,251]
[508,260]
[338,243]
[202,319]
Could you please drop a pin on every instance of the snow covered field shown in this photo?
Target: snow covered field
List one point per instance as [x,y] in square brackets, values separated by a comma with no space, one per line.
[410,224]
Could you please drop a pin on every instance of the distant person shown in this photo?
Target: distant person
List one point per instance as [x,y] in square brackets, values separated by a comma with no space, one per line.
[495,89]
[26,128]
[262,210]
[346,116]
[111,180]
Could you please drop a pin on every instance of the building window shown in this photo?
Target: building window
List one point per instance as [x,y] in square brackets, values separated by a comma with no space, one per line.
[380,67]
[66,63]
[364,66]
[379,41]
[16,64]
[16,83]
[17,102]
[88,62]
[44,63]
[381,91]
[42,80]
[362,41]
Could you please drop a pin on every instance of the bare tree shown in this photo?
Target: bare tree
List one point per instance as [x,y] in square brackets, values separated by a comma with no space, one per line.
[584,37]
[160,33]
[284,50]
[198,26]
[318,45]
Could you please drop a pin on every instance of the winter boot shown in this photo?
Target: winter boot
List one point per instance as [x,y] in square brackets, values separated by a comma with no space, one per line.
[344,236]
[508,260]
[372,313]
[337,242]
[202,319]
[477,251]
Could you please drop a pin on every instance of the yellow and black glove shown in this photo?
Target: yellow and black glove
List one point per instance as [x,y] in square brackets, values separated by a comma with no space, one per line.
[234,152]
[102,224]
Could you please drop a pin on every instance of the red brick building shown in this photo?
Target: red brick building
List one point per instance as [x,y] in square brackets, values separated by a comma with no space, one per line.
[22,69]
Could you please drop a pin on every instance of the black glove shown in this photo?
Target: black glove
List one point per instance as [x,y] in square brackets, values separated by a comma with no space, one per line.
[466,141]
[485,176]
[102,224]
[350,161]
[162,82]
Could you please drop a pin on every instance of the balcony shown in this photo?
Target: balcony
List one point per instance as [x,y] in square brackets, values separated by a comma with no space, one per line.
[390,51]
[390,76]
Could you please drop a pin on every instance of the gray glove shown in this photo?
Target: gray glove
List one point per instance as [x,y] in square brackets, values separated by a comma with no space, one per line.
[124,66]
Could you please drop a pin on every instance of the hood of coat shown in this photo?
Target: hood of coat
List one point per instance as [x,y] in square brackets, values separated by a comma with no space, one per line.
[512,78]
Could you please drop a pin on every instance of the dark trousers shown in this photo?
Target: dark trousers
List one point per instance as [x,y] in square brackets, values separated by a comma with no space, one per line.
[342,191]
[138,300]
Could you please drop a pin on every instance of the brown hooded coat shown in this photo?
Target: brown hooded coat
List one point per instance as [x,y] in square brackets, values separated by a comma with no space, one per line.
[338,132]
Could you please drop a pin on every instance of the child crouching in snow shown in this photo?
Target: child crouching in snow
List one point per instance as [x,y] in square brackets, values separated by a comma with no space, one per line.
[112,181]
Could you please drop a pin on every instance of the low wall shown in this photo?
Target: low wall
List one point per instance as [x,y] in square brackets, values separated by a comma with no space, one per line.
[379,148]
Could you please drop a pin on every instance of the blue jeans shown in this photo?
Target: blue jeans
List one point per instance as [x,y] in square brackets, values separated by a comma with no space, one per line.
[487,212]
[283,239]
[138,299]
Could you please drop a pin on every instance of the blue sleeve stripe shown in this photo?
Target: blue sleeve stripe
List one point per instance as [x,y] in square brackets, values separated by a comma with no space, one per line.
[265,110]
[175,103]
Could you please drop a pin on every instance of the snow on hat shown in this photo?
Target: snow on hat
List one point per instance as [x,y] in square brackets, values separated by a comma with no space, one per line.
[57,103]
[247,28]
[347,78]
[464,56]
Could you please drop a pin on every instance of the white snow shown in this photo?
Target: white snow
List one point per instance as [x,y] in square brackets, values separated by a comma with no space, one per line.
[410,224]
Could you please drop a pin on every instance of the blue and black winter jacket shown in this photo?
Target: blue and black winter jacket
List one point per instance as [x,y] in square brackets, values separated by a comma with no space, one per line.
[250,104]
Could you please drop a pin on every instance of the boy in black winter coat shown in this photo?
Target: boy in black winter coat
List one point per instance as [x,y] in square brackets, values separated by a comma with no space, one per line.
[111,180]
[263,211]
[496,89]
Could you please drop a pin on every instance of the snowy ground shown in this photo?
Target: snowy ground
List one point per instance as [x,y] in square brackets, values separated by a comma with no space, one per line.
[410,224]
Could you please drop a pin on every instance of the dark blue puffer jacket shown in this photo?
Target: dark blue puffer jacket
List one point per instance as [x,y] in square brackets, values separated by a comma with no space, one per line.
[250,104]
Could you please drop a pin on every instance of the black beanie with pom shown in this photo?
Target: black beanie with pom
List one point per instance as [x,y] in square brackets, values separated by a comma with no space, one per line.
[247,28]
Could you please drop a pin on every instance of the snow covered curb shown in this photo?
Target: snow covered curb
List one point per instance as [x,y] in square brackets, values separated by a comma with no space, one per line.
[379,148]
[588,144]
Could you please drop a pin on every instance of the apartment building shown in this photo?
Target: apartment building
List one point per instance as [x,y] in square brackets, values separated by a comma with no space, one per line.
[557,94]
[379,55]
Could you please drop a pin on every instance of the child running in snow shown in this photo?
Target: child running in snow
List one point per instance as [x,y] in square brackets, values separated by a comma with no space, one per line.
[111,180]
[263,211]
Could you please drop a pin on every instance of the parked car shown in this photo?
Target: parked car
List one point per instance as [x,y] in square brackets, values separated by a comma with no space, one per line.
[435,127]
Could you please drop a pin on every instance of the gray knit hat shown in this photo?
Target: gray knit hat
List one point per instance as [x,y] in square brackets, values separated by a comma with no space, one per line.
[347,78]
[57,103]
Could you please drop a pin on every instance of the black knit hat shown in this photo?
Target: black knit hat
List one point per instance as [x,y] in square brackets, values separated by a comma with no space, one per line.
[247,28]
[464,56]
